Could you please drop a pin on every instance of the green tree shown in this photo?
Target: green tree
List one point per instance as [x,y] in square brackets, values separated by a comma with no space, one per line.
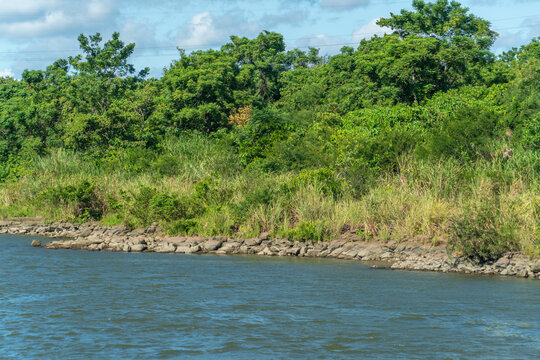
[102,77]
[445,20]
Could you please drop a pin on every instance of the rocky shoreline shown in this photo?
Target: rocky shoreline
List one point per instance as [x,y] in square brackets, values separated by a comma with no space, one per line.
[403,255]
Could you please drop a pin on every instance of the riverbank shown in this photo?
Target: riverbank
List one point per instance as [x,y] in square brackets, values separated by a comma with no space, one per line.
[403,256]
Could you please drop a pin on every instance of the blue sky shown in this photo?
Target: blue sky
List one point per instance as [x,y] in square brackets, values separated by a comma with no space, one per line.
[34,33]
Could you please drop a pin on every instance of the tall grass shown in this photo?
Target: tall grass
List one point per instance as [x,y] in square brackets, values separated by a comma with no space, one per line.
[425,201]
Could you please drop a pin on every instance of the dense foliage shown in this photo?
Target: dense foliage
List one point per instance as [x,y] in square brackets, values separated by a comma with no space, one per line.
[420,134]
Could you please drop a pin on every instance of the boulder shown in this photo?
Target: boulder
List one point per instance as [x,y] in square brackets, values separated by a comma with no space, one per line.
[212,244]
[253,242]
[266,252]
[35,243]
[194,249]
[183,249]
[228,248]
[138,248]
[165,247]
[535,267]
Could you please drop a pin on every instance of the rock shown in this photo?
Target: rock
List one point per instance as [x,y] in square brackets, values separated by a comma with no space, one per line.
[336,252]
[138,248]
[264,236]
[165,247]
[313,253]
[535,267]
[228,248]
[364,252]
[194,249]
[212,245]
[349,254]
[138,240]
[266,252]
[244,249]
[126,248]
[253,242]
[292,251]
[69,234]
[502,262]
[35,243]
[94,247]
[183,249]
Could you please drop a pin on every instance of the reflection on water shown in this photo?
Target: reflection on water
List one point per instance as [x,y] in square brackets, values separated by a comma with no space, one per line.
[80,305]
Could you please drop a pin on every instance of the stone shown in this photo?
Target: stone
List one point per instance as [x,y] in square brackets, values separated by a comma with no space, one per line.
[93,247]
[349,254]
[212,245]
[183,249]
[165,247]
[264,236]
[35,243]
[336,252]
[266,252]
[138,248]
[292,251]
[535,267]
[228,248]
[194,249]
[313,253]
[138,240]
[253,242]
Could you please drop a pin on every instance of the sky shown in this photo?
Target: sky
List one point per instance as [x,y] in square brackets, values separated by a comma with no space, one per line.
[35,33]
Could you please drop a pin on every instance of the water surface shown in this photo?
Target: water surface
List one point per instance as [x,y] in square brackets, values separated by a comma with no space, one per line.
[90,305]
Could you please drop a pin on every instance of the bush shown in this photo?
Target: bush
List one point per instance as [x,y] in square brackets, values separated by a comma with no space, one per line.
[478,235]
[148,205]
[82,198]
[309,231]
[254,198]
[465,135]
[325,179]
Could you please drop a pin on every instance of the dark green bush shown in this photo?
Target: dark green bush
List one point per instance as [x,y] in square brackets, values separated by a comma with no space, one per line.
[166,165]
[465,135]
[182,227]
[148,205]
[82,197]
[478,235]
[254,198]
[309,231]
[325,179]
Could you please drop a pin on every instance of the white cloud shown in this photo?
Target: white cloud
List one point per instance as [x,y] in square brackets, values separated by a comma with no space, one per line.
[25,7]
[42,18]
[327,44]
[343,4]
[369,30]
[292,17]
[207,30]
[6,73]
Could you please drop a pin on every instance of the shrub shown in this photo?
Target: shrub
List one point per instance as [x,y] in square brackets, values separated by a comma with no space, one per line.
[82,198]
[309,231]
[325,179]
[149,205]
[479,235]
[465,135]
[258,196]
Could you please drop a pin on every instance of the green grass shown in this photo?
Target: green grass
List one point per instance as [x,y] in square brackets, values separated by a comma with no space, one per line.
[208,194]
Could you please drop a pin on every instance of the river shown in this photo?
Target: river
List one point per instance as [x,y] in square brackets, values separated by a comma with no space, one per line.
[93,305]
